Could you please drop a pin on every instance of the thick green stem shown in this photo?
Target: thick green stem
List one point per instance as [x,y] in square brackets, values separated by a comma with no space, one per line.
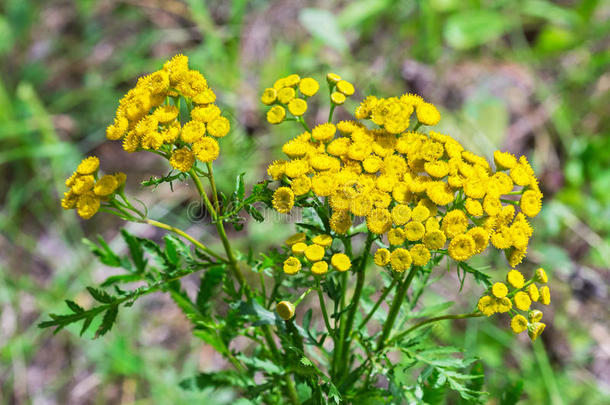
[399,298]
[331,332]
[360,273]
[290,388]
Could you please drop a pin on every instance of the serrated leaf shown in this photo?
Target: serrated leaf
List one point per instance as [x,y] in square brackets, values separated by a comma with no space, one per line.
[512,394]
[254,213]
[108,320]
[101,295]
[103,252]
[258,364]
[240,189]
[121,278]
[210,281]
[74,307]
[135,250]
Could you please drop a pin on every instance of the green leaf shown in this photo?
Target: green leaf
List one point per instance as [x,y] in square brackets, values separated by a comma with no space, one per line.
[254,213]
[258,364]
[220,379]
[479,276]
[135,250]
[121,278]
[512,394]
[101,295]
[103,252]
[75,307]
[323,25]
[210,281]
[108,320]
[471,28]
[240,190]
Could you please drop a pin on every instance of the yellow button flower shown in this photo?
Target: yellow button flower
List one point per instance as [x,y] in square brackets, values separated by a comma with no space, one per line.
[323,240]
[541,276]
[292,265]
[106,185]
[535,329]
[522,301]
[219,127]
[532,290]
[285,309]
[324,132]
[419,254]
[345,87]
[427,114]
[545,295]
[314,253]
[515,278]
[337,98]
[382,257]
[518,324]
[499,290]
[276,114]
[206,149]
[87,205]
[182,159]
[341,262]
[88,165]
[283,200]
[298,248]
[434,240]
[297,107]
[308,86]
[319,268]
[269,96]
[462,247]
[400,260]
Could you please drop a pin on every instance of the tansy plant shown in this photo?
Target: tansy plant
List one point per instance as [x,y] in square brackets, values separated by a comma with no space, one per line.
[385,201]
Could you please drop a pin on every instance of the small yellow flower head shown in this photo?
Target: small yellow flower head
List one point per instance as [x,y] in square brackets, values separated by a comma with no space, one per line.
[83,184]
[504,160]
[503,305]
[314,253]
[323,185]
[515,278]
[106,185]
[434,240]
[535,315]
[379,221]
[177,68]
[324,132]
[415,231]
[206,149]
[269,96]
[117,130]
[533,291]
[69,200]
[182,159]
[396,236]
[285,309]
[337,98]
[276,114]
[531,203]
[427,114]
[462,248]
[298,248]
[319,268]
[480,237]
[499,290]
[292,265]
[541,276]
[88,165]
[454,223]
[518,324]
[535,329]
[308,86]
[297,237]
[206,113]
[277,169]
[420,213]
[401,214]
[283,200]
[323,240]
[207,96]
[297,106]
[341,262]
[219,127]
[432,224]
[301,185]
[545,295]
[400,260]
[382,257]
[345,87]
[361,205]
[522,301]
[420,255]
[165,114]
[340,222]
[192,131]
[333,78]
[487,305]
[87,205]
[286,94]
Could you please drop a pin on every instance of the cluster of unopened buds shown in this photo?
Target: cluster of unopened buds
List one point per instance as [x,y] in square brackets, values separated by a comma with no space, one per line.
[420,193]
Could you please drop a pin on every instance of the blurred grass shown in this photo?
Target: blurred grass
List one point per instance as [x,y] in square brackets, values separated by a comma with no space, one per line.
[528,75]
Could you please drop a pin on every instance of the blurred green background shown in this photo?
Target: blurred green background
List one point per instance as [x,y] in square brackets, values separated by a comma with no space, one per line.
[528,76]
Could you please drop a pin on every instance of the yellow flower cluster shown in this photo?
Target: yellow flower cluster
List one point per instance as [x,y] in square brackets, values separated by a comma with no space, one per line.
[518,297]
[87,189]
[291,92]
[419,190]
[149,116]
[314,254]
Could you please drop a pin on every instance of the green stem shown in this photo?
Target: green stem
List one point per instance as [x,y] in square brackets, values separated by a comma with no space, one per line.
[185,236]
[435,319]
[330,113]
[377,304]
[395,308]
[290,388]
[303,123]
[324,311]
[213,184]
[360,273]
